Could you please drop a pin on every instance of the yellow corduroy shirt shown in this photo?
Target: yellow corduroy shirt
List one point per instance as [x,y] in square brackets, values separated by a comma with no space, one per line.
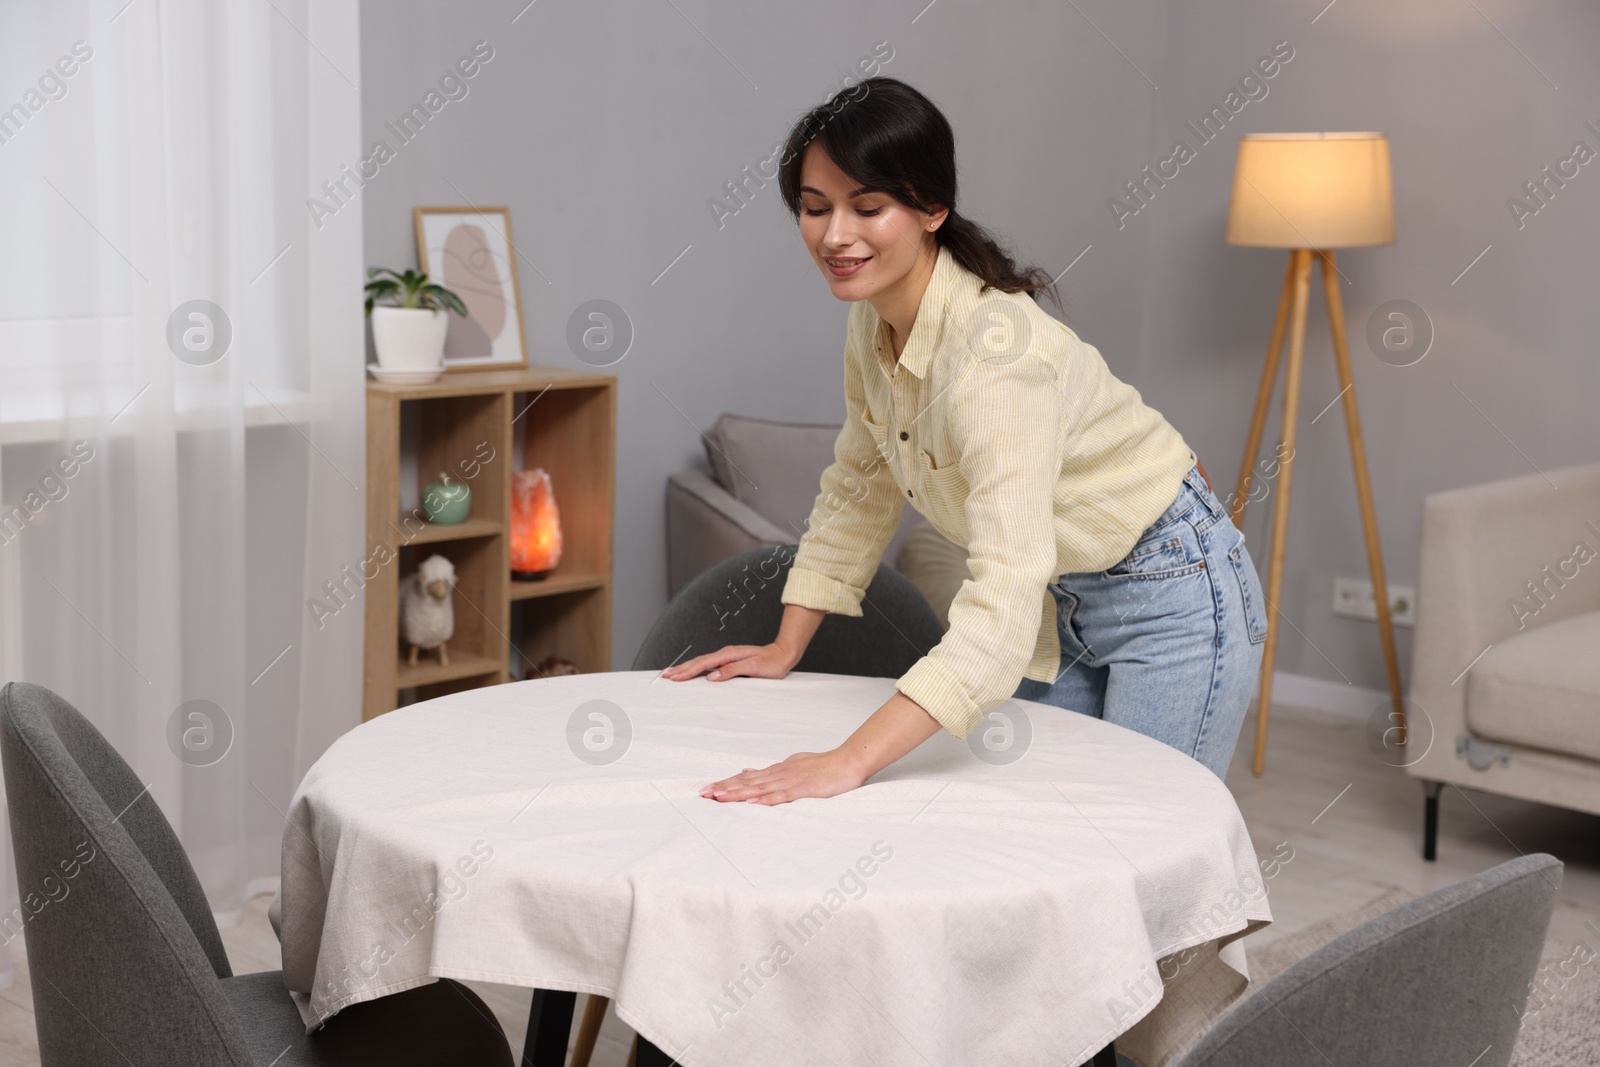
[1013,438]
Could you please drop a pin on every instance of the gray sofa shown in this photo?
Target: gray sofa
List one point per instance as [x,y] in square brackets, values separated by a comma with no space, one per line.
[1505,676]
[763,479]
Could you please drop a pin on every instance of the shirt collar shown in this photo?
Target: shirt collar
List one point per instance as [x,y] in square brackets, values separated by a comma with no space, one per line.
[929,323]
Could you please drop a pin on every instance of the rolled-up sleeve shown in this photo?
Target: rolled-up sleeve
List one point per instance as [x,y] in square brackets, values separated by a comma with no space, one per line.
[1006,420]
[854,515]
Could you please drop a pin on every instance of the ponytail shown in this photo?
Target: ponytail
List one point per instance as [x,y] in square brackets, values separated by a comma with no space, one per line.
[975,249]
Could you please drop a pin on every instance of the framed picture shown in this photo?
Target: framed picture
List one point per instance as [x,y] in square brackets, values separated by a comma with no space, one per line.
[469,251]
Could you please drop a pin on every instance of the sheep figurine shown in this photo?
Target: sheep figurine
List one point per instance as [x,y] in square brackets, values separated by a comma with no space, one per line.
[426,617]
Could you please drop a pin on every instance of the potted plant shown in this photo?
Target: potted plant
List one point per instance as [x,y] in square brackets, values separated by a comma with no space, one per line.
[409,324]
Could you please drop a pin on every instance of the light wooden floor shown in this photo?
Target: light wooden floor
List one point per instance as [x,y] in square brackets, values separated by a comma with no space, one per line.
[1343,855]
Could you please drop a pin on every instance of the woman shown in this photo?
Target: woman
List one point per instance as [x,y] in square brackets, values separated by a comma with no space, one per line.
[1106,576]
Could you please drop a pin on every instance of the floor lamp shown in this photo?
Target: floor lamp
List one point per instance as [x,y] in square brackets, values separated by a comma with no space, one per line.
[1310,193]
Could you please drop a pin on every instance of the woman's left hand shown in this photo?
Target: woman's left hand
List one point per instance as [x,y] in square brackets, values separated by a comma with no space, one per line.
[804,774]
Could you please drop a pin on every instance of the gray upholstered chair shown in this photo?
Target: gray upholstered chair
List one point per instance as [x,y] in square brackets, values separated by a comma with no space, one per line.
[1440,979]
[736,603]
[125,959]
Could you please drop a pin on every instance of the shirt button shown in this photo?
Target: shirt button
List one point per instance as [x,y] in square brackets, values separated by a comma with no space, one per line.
[910,493]
[904,436]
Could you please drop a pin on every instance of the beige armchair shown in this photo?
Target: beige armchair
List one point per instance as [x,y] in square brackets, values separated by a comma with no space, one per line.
[1505,685]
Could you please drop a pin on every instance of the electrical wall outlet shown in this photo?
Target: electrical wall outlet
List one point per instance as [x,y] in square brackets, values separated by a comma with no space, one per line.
[1352,598]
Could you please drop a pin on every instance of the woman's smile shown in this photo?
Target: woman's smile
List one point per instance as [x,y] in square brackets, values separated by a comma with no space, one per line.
[845,266]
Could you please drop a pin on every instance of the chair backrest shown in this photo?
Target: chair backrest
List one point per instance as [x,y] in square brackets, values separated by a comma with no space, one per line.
[737,603]
[1440,979]
[123,953]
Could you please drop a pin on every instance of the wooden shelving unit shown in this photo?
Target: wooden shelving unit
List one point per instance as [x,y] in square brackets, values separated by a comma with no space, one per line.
[466,423]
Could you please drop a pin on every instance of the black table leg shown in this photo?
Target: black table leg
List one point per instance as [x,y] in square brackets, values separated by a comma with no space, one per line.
[650,1056]
[1106,1057]
[549,1027]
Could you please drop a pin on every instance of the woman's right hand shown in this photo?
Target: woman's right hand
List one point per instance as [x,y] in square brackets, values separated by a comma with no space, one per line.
[734,661]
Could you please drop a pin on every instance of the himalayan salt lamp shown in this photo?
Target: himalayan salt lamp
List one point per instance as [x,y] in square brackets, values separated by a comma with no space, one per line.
[535,526]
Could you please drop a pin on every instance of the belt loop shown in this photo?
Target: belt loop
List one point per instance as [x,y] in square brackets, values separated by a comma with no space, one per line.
[1197,482]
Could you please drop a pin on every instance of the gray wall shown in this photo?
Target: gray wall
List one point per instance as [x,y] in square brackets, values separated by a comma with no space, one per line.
[1469,120]
[606,127]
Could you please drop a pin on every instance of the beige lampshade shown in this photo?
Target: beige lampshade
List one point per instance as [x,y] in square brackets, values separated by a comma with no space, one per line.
[1311,190]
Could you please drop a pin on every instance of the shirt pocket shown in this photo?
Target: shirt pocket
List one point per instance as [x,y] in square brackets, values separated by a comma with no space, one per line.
[945,492]
[880,435]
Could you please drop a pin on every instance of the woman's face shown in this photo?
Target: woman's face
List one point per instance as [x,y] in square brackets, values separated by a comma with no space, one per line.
[864,244]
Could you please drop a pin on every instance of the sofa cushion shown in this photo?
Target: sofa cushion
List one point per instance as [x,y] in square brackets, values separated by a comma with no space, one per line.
[774,467]
[1541,688]
[936,566]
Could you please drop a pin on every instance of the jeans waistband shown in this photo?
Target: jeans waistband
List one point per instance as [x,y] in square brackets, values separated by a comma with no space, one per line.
[1192,493]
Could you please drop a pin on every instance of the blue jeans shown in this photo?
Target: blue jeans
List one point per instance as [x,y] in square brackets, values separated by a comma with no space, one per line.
[1168,641]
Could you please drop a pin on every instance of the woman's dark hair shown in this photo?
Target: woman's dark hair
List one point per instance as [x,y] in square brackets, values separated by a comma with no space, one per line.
[890,138]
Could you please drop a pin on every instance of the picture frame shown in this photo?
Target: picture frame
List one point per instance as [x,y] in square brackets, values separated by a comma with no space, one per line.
[470,251]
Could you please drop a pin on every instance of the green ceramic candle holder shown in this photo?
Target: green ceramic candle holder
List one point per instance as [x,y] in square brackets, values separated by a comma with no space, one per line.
[446,504]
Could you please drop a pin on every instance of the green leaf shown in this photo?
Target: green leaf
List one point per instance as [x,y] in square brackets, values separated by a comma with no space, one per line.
[447,299]
[408,289]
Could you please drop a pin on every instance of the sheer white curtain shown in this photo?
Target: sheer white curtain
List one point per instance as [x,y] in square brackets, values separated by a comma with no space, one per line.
[168,513]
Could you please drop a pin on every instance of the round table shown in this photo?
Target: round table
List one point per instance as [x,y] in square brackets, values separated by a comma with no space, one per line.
[1022,897]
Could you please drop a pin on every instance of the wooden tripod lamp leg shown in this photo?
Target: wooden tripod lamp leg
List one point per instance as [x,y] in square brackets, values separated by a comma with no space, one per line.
[1280,511]
[1358,458]
[1269,378]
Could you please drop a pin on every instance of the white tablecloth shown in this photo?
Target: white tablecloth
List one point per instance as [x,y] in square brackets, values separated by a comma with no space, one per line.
[952,911]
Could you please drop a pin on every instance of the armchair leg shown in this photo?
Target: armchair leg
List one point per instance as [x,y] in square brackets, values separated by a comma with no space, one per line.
[1430,820]
[549,1026]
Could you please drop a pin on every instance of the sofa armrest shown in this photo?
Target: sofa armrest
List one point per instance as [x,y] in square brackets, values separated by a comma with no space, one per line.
[706,525]
[1481,547]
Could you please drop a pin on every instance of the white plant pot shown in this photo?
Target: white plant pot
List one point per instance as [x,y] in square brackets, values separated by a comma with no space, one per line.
[409,338]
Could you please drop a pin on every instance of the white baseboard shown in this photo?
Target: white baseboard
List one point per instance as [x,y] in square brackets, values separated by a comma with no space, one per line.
[1337,698]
